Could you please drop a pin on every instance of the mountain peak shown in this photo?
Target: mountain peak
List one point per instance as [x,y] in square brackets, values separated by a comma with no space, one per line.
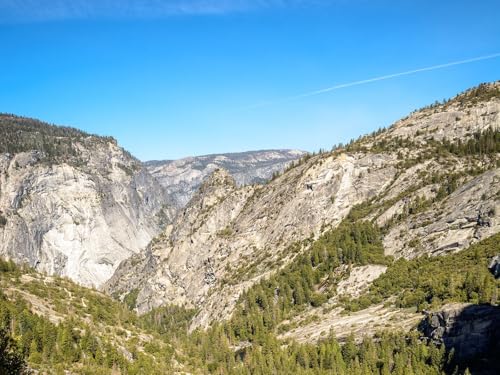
[219,177]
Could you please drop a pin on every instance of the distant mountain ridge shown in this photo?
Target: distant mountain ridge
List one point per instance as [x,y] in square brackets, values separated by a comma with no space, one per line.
[181,178]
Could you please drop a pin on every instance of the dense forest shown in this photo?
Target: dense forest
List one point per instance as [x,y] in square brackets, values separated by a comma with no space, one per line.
[27,338]
[247,343]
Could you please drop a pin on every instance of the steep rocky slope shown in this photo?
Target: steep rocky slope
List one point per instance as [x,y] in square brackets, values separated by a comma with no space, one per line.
[73,204]
[426,181]
[224,231]
[181,178]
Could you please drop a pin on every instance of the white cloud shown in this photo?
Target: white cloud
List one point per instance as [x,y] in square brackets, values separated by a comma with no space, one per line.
[14,11]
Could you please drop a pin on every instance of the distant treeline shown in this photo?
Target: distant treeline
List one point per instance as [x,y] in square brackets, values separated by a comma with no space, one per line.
[19,134]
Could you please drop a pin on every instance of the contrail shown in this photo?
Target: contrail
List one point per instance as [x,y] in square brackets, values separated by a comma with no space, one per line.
[375,79]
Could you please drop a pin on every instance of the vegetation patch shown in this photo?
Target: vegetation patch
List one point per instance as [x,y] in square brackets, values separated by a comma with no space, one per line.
[131,299]
[308,281]
[429,282]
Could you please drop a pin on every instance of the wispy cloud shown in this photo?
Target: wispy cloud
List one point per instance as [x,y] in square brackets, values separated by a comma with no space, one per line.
[15,11]
[370,80]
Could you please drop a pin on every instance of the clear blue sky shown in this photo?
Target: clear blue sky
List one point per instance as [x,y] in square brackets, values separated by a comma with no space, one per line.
[175,78]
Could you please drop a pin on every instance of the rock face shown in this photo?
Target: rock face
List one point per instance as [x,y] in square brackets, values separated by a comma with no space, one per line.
[77,212]
[181,178]
[494,266]
[408,178]
[226,231]
[472,331]
[452,223]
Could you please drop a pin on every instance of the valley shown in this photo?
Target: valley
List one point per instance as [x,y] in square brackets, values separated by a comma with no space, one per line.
[265,262]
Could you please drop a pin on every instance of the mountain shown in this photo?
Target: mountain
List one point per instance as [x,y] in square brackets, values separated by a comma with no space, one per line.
[73,204]
[377,257]
[76,205]
[429,184]
[181,178]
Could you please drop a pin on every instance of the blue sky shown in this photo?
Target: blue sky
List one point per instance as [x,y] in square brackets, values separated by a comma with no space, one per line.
[175,78]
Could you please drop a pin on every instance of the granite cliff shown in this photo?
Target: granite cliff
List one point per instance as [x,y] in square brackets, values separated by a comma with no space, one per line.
[73,204]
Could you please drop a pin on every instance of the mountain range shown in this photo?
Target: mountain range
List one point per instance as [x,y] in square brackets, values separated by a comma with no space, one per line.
[182,178]
[262,262]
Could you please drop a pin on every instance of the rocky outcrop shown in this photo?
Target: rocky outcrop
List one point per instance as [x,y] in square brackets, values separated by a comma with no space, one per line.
[79,214]
[181,178]
[471,331]
[359,280]
[494,266]
[451,224]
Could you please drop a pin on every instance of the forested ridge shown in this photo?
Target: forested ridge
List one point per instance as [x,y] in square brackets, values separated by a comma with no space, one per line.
[55,143]
[429,282]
